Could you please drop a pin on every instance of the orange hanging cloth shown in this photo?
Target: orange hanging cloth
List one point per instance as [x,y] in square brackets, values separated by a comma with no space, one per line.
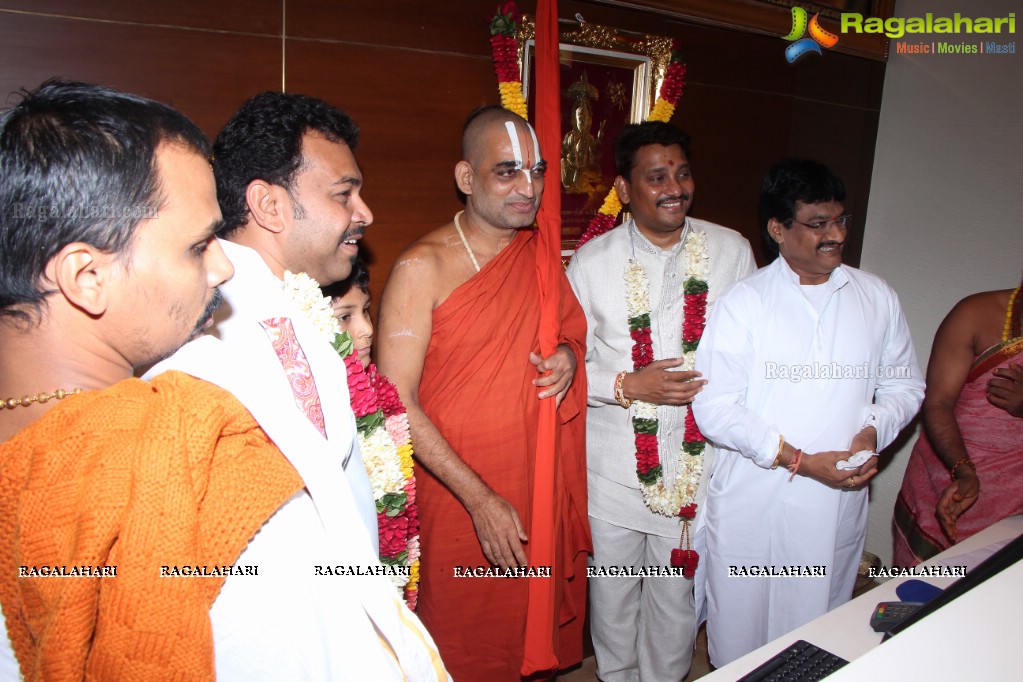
[541,617]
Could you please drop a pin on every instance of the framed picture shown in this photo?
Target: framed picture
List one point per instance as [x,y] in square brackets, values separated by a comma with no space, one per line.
[608,80]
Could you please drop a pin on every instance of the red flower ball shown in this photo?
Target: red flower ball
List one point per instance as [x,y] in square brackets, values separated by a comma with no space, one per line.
[393,535]
[387,395]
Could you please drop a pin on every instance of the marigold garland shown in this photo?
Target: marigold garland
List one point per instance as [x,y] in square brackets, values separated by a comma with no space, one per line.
[505,50]
[680,499]
[663,110]
[384,439]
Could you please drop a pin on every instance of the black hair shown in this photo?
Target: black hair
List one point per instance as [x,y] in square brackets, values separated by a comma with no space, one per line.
[638,135]
[77,164]
[791,180]
[359,279]
[263,141]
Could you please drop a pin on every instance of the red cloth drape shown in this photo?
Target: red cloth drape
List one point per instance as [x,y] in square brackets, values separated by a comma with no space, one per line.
[540,627]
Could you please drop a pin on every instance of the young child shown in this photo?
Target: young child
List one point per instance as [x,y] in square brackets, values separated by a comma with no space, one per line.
[391,452]
[350,301]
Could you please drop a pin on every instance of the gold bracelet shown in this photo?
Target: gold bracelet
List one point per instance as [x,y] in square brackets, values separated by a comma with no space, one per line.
[781,448]
[966,461]
[620,391]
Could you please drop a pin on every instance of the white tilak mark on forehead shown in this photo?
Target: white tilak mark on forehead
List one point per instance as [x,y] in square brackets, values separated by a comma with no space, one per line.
[520,164]
[536,143]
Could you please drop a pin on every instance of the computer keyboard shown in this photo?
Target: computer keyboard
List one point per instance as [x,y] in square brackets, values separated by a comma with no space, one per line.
[801,662]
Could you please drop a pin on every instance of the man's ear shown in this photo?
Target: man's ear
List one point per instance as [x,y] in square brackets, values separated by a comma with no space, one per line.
[268,205]
[622,187]
[776,229]
[84,275]
[464,177]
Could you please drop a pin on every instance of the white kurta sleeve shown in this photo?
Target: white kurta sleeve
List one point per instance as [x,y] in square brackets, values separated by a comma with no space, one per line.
[599,380]
[900,386]
[725,360]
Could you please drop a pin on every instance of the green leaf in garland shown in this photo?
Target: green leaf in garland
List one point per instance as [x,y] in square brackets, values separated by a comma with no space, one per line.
[343,344]
[694,448]
[399,560]
[392,504]
[690,346]
[639,322]
[367,424]
[693,287]
[650,477]
[644,425]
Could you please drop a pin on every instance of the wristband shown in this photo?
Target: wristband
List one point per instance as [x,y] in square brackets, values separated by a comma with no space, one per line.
[620,391]
[794,464]
[781,448]
[967,462]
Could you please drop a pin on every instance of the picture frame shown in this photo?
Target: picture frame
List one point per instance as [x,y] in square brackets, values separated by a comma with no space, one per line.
[609,78]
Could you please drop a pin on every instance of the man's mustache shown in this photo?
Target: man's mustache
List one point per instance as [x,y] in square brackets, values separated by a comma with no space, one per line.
[680,197]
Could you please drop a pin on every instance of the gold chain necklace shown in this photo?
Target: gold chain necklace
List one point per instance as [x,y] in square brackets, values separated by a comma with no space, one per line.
[40,398]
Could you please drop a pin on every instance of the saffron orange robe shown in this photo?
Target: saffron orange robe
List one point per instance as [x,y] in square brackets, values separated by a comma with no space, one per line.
[477,388]
[137,476]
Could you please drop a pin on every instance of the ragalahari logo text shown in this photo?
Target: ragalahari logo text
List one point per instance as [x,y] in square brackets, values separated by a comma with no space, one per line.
[801,46]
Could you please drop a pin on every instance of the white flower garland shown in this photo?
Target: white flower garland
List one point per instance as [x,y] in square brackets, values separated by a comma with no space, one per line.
[380,450]
[658,497]
[304,292]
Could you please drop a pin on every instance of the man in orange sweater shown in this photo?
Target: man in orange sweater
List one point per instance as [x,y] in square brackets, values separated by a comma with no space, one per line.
[108,262]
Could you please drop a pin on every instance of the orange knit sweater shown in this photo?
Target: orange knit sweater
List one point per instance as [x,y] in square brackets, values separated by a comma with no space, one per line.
[137,476]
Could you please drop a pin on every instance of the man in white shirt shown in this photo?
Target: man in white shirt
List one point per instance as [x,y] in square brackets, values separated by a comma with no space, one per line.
[811,362]
[644,628]
[288,187]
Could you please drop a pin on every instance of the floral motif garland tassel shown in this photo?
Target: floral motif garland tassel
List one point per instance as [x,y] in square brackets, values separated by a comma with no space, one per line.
[384,440]
[680,499]
[506,57]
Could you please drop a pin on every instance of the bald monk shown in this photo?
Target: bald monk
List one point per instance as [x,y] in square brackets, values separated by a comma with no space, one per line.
[966,470]
[459,322]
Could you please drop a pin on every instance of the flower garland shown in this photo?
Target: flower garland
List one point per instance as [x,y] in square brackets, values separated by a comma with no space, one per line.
[680,499]
[384,439]
[664,109]
[506,56]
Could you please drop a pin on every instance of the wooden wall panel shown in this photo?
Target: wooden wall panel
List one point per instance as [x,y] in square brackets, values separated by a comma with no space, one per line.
[250,16]
[408,24]
[206,75]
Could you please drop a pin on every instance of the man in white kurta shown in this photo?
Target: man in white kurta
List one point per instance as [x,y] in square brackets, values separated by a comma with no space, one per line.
[643,628]
[805,355]
[255,294]
[287,184]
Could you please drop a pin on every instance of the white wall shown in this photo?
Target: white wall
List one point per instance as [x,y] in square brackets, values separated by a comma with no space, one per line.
[946,197]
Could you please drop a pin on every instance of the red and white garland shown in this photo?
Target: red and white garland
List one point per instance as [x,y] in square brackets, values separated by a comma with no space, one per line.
[678,500]
[384,439]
